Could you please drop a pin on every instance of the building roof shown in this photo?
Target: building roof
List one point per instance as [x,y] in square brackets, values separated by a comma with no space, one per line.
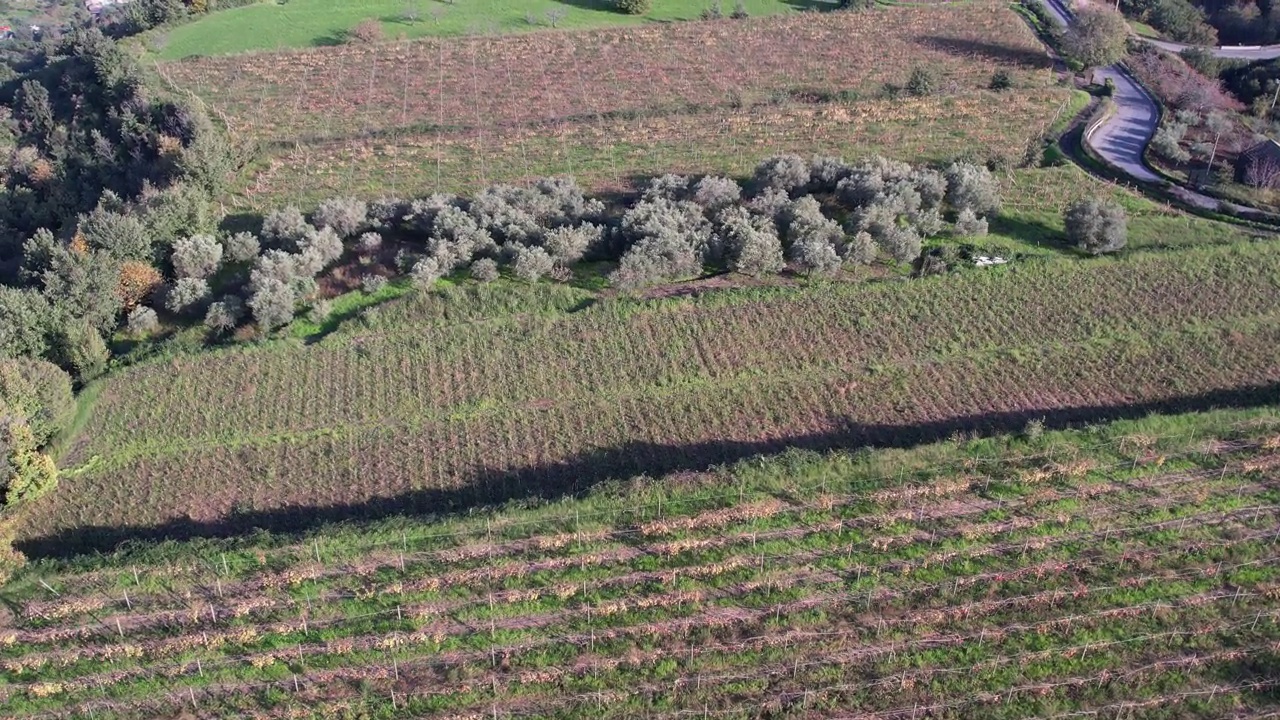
[1268,147]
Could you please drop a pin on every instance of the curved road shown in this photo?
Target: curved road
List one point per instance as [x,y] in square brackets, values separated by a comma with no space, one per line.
[1122,138]
[1234,52]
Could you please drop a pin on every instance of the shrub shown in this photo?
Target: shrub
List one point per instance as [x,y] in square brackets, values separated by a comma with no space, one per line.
[713,12]
[387,213]
[456,238]
[739,11]
[867,182]
[1000,80]
[421,214]
[369,243]
[285,228]
[366,31]
[198,256]
[716,193]
[931,186]
[1098,36]
[973,187]
[425,273]
[142,321]
[347,216]
[137,282]
[272,303]
[1167,142]
[121,236]
[25,472]
[825,173]
[225,314]
[789,173]
[372,284]
[79,349]
[242,247]
[811,256]
[187,295]
[38,393]
[531,263]
[860,249]
[484,270]
[320,311]
[324,244]
[922,81]
[772,203]
[751,242]
[901,244]
[667,187]
[24,322]
[654,259]
[969,224]
[1096,226]
[926,223]
[813,239]
[568,245]
[633,7]
[682,221]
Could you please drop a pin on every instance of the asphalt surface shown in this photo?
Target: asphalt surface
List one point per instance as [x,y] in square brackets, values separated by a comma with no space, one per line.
[1236,52]
[1121,139]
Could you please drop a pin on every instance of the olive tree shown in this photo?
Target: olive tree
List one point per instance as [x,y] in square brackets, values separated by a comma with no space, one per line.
[347,216]
[789,173]
[531,263]
[142,321]
[186,295]
[1096,226]
[751,242]
[1098,37]
[198,256]
[972,187]
[224,314]
[242,247]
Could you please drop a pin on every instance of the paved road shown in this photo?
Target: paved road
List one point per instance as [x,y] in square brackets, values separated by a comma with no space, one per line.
[1121,139]
[1236,52]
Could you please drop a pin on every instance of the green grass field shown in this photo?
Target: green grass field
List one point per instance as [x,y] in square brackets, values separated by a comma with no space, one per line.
[1127,570]
[312,23]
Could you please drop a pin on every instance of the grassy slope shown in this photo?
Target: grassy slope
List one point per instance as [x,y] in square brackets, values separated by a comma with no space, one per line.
[449,401]
[308,23]
[1131,562]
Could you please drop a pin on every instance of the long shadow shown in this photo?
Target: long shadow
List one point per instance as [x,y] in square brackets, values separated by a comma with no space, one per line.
[726,6]
[607,6]
[589,469]
[1030,231]
[965,48]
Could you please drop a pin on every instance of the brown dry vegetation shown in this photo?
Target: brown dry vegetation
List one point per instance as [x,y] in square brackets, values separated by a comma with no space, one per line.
[454,114]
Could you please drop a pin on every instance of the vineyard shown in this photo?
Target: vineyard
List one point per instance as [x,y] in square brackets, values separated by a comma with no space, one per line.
[448,400]
[459,114]
[1125,571]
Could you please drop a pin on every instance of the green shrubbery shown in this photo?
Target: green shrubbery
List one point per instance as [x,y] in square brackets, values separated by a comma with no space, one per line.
[633,7]
[1096,226]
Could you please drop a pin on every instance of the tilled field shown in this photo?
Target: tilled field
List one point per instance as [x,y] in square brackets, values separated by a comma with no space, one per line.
[1124,579]
[429,411]
[461,113]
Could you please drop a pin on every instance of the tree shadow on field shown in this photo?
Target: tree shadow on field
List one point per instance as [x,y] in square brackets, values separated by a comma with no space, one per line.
[1031,232]
[967,48]
[605,6]
[804,5]
[581,473]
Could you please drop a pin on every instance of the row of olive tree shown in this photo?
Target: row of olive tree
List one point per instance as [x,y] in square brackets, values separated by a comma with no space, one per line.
[677,228]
